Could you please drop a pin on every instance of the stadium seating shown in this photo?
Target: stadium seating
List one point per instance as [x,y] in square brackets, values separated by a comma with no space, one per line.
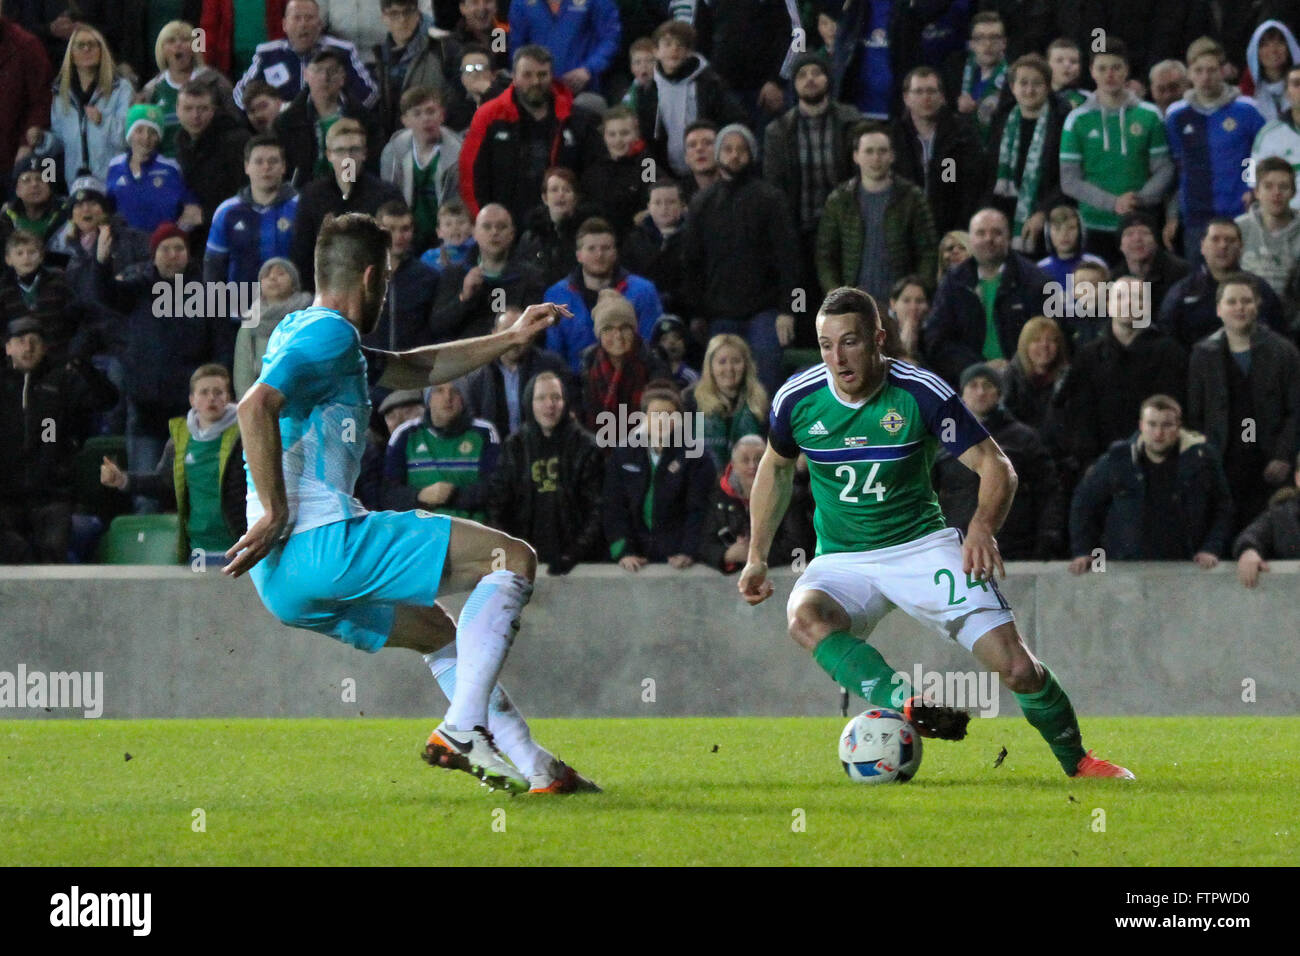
[140,539]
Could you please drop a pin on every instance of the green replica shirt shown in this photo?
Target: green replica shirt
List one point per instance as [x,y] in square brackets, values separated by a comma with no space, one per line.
[165,97]
[418,456]
[424,200]
[206,525]
[1115,149]
[989,297]
[870,461]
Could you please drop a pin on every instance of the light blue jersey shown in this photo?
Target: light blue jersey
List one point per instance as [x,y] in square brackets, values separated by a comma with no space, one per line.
[314,360]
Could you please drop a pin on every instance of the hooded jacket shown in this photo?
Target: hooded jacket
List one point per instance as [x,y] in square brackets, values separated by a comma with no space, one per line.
[431,58]
[1270,97]
[1269,255]
[1102,152]
[397,165]
[485,387]
[250,341]
[670,104]
[568,464]
[1210,142]
[1107,507]
[88,145]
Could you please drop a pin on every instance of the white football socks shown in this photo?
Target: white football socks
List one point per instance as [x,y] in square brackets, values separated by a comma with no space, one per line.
[506,725]
[484,634]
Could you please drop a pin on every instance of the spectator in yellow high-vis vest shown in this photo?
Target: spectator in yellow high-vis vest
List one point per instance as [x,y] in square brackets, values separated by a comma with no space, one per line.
[201,470]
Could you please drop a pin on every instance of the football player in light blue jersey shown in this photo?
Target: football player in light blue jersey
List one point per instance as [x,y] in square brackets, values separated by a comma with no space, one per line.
[320,561]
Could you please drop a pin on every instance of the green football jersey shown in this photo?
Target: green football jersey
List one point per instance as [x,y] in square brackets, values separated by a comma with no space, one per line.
[1115,149]
[870,462]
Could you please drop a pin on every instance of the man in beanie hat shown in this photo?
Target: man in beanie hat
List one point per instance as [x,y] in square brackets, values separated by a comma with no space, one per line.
[442,462]
[73,245]
[806,150]
[1145,258]
[33,207]
[1036,524]
[147,186]
[741,253]
[279,293]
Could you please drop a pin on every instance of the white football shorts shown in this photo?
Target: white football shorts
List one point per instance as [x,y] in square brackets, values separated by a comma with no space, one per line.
[922,577]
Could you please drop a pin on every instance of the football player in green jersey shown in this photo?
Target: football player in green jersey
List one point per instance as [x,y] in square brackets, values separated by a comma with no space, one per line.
[870,427]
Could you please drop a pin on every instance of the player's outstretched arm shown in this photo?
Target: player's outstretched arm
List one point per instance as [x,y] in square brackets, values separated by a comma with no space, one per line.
[259,426]
[436,364]
[768,501]
[997,489]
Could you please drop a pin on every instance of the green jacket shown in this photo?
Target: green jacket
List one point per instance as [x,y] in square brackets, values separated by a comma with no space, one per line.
[910,240]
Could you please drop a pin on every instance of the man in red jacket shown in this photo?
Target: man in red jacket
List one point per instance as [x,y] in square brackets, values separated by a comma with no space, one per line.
[515,137]
[25,83]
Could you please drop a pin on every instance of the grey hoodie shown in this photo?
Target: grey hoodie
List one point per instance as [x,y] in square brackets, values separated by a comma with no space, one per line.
[1269,255]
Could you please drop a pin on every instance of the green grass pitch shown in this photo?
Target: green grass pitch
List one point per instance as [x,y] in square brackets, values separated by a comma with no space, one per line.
[1210,791]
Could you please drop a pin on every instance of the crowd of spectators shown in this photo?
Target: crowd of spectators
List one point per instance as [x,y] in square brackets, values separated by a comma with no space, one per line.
[1083,216]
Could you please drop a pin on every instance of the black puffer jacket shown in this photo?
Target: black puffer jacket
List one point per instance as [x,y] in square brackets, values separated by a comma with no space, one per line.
[1107,506]
[1035,526]
[42,423]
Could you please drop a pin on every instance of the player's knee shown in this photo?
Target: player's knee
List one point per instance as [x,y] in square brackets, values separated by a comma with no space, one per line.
[1023,675]
[808,627]
[521,559]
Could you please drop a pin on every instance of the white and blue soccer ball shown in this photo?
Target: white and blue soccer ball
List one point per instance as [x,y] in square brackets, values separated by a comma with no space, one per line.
[880,746]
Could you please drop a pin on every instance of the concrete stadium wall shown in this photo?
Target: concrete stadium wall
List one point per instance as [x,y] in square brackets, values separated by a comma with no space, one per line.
[1137,639]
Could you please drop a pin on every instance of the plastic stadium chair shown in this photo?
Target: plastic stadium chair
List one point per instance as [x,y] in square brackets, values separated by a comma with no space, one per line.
[140,539]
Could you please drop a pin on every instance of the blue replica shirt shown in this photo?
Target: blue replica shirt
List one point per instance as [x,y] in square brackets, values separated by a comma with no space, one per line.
[152,198]
[314,360]
[875,87]
[585,33]
[1210,150]
[247,234]
[278,64]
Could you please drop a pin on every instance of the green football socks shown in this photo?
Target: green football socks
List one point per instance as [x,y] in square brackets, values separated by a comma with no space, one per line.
[857,666]
[1050,712]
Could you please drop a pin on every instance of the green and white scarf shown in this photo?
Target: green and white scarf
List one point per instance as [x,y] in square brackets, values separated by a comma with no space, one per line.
[1009,149]
[988,103]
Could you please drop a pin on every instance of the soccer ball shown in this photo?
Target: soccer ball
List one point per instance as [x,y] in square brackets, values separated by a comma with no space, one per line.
[879,746]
